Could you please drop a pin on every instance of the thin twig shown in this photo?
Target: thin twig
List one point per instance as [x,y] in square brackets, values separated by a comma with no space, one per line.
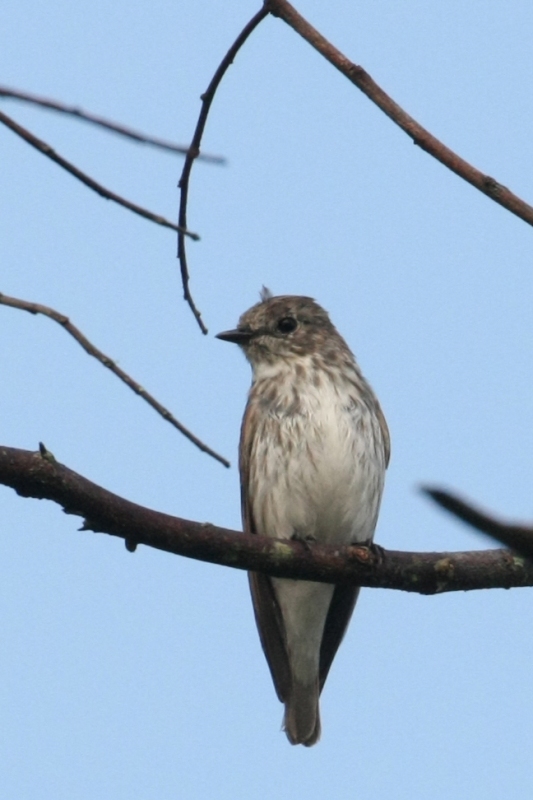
[86,116]
[61,319]
[194,149]
[46,150]
[39,475]
[357,75]
[517,537]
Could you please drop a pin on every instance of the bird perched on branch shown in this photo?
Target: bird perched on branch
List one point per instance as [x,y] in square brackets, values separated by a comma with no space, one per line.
[313,452]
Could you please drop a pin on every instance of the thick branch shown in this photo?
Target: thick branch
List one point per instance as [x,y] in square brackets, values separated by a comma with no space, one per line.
[40,475]
[50,153]
[66,324]
[107,124]
[194,150]
[423,138]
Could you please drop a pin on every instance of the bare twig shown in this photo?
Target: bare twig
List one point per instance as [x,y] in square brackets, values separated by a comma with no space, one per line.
[357,75]
[40,475]
[517,537]
[85,116]
[46,150]
[194,149]
[61,319]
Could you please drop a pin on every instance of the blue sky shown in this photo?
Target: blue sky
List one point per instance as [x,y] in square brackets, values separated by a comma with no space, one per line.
[141,676]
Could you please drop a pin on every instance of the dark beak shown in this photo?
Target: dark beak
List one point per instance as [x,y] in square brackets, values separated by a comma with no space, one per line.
[237,336]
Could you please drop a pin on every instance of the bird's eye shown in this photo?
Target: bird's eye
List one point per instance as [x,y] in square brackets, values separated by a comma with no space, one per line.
[287,325]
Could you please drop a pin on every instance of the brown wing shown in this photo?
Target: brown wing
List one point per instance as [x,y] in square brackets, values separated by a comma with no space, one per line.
[270,627]
[339,614]
[266,608]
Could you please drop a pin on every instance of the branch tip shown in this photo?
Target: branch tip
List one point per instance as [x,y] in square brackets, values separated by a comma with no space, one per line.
[115,127]
[46,454]
[107,194]
[56,316]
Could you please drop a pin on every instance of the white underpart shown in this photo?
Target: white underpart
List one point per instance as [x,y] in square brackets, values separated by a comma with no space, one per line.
[321,474]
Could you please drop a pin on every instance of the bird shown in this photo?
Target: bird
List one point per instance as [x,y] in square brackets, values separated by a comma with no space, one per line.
[314,448]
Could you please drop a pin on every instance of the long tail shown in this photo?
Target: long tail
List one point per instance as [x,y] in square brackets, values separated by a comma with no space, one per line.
[302,714]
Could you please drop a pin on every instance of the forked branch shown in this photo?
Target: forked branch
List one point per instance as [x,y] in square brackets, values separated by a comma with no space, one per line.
[360,78]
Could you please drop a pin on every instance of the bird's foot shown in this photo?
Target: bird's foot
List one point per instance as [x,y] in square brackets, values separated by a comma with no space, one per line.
[306,540]
[364,551]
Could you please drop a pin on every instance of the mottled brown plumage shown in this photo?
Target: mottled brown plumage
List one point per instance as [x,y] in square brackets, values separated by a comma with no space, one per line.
[313,452]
